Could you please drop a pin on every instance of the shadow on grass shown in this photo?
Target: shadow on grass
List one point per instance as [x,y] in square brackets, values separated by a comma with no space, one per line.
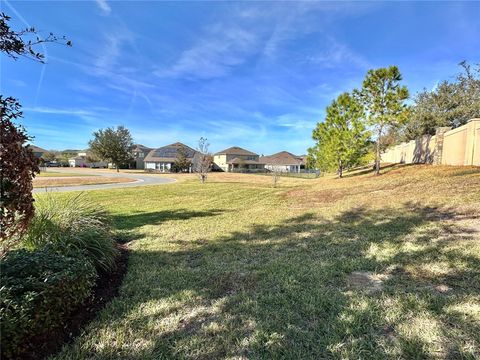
[282,291]
[125,223]
[370,170]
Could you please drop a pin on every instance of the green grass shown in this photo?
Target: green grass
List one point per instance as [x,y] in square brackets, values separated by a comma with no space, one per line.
[236,269]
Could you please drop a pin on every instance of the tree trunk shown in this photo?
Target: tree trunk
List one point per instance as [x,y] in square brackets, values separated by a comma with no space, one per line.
[118,168]
[340,169]
[377,153]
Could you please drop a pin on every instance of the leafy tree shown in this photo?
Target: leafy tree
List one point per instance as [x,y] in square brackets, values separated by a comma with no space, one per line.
[384,100]
[112,145]
[203,159]
[50,155]
[181,163]
[18,165]
[451,103]
[341,140]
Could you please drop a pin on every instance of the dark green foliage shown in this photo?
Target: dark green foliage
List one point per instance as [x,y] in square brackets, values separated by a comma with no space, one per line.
[451,103]
[112,145]
[39,290]
[182,163]
[72,222]
[384,100]
[341,140]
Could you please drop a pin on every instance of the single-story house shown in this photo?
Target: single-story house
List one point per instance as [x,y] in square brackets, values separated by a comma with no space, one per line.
[284,161]
[139,153]
[163,159]
[236,159]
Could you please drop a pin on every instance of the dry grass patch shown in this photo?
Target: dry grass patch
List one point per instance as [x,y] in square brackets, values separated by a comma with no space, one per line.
[80,180]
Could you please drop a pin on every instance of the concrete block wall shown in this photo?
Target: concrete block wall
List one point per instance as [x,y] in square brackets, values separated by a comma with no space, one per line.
[460,146]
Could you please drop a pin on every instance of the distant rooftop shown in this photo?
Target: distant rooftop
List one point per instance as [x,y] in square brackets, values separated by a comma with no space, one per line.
[235,150]
[169,153]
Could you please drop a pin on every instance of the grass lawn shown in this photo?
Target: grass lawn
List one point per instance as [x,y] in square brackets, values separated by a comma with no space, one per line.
[359,268]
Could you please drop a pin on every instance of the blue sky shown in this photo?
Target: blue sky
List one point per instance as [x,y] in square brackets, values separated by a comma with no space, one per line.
[252,74]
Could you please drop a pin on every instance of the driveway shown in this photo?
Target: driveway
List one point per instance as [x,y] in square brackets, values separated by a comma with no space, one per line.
[141,180]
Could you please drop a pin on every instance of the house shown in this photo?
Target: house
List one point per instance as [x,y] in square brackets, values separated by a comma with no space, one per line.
[163,159]
[139,153]
[37,151]
[78,161]
[284,161]
[236,159]
[84,160]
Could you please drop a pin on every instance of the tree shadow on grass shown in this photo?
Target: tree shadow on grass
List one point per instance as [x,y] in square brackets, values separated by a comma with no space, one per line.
[125,223]
[282,292]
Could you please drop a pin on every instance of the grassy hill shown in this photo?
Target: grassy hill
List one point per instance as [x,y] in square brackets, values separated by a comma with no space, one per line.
[358,268]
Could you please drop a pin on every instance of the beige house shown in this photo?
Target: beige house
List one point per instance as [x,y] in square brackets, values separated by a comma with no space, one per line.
[283,162]
[236,159]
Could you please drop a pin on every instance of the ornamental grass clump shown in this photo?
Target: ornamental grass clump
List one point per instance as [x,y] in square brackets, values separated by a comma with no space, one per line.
[73,223]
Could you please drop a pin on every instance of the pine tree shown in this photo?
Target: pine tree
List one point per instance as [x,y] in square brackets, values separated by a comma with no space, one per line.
[384,100]
[341,140]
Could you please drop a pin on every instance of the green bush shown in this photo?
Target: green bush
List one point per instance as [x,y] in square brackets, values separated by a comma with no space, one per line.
[72,222]
[39,289]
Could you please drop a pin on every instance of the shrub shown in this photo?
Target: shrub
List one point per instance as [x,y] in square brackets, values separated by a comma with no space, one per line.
[39,289]
[73,222]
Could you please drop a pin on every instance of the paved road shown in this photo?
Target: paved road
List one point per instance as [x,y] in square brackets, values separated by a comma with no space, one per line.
[141,180]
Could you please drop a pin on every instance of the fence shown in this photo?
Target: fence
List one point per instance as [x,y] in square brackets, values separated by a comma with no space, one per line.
[460,146]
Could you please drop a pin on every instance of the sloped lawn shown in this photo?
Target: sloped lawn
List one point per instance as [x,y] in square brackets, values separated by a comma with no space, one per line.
[359,268]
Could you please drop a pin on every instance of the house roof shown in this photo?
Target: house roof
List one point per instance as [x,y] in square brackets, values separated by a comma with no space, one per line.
[243,161]
[169,153]
[140,147]
[235,150]
[282,158]
[36,149]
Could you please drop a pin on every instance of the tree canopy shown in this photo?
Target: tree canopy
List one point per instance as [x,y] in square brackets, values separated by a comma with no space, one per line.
[113,145]
[384,99]
[451,103]
[342,139]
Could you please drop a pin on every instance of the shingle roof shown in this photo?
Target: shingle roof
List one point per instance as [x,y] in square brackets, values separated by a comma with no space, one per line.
[243,161]
[140,147]
[235,150]
[36,149]
[169,153]
[282,158]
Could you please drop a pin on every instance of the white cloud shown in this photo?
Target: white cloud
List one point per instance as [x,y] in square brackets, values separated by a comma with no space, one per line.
[215,54]
[336,54]
[103,5]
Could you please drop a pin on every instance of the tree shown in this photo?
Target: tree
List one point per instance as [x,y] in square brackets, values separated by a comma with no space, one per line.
[112,145]
[451,103]
[50,155]
[18,165]
[181,163]
[341,140]
[384,100]
[22,43]
[203,159]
